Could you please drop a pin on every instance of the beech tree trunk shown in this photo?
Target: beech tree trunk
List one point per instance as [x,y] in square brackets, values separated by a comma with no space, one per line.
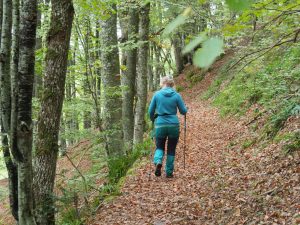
[5,50]
[130,77]
[110,76]
[28,20]
[58,40]
[5,102]
[142,69]
[14,102]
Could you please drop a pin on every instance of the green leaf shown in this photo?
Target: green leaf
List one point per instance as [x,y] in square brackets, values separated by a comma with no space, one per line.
[239,5]
[177,22]
[211,49]
[194,43]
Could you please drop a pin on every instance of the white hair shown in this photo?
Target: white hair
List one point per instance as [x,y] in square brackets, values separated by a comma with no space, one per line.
[167,80]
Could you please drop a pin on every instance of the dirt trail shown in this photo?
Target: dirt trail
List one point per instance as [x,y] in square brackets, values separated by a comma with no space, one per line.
[179,200]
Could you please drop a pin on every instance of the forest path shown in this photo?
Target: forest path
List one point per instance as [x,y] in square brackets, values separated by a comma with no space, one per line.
[180,200]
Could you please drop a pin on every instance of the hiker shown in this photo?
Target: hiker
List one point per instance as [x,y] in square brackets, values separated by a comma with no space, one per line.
[164,106]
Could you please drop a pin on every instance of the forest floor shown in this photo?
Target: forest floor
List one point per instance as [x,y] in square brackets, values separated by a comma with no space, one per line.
[223,183]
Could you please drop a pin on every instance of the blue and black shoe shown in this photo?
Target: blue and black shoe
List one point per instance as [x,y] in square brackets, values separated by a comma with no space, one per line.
[158,170]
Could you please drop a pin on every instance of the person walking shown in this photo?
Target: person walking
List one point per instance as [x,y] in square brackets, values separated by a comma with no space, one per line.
[163,110]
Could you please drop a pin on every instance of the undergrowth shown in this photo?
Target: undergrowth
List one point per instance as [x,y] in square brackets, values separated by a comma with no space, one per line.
[83,195]
[272,84]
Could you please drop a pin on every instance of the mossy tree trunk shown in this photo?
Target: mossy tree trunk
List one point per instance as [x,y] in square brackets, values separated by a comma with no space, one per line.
[129,79]
[142,68]
[110,76]
[56,60]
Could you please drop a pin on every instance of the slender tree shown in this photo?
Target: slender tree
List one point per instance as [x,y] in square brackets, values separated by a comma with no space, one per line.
[14,100]
[142,68]
[129,79]
[158,67]
[58,41]
[5,101]
[150,69]
[5,65]
[110,75]
[28,16]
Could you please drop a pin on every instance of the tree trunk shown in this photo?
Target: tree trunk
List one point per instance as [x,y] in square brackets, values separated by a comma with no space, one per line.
[177,43]
[158,70]
[5,102]
[5,85]
[1,16]
[14,101]
[111,87]
[123,20]
[142,68]
[24,124]
[38,81]
[150,70]
[129,78]
[58,40]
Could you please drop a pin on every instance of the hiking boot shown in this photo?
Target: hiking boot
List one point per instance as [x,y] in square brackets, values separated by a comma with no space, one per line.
[158,170]
[169,175]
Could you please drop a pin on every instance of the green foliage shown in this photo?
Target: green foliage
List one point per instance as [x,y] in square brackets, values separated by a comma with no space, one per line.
[181,19]
[118,167]
[70,217]
[270,86]
[273,87]
[210,50]
[238,5]
[194,43]
[293,145]
[247,143]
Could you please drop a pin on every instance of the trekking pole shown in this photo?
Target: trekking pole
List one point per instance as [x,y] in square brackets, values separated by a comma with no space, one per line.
[184,142]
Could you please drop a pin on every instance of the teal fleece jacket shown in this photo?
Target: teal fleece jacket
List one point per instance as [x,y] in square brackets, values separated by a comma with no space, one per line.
[165,103]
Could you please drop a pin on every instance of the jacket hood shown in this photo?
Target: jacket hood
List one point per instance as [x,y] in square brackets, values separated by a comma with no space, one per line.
[168,92]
